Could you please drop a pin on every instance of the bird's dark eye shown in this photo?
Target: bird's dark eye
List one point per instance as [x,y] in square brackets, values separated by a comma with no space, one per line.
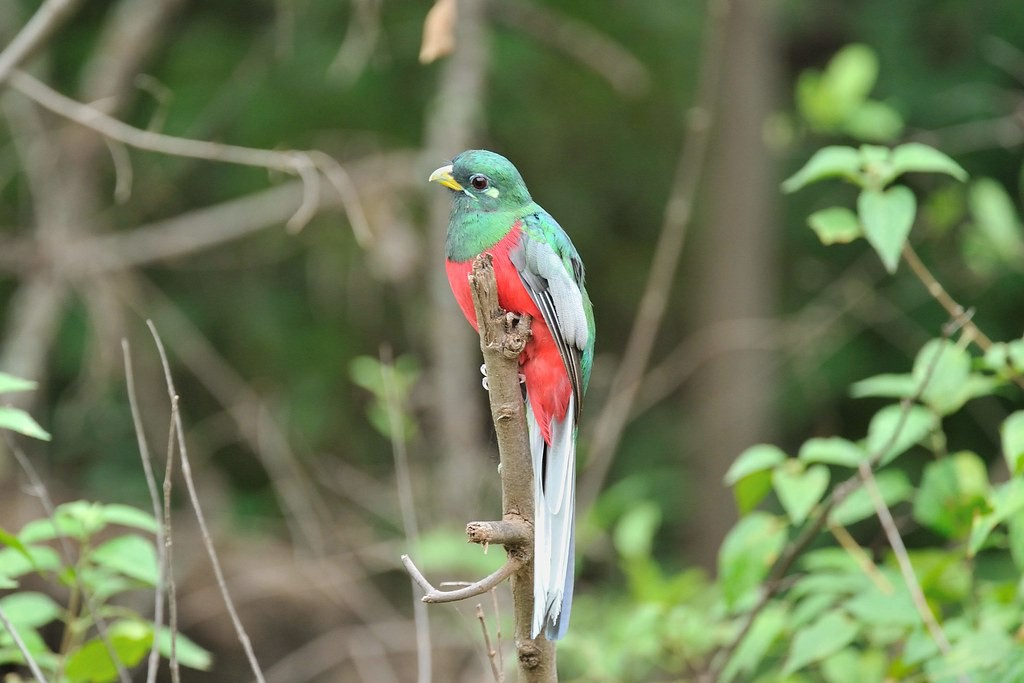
[479,182]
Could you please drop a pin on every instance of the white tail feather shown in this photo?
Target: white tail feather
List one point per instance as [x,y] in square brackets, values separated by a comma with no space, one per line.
[554,499]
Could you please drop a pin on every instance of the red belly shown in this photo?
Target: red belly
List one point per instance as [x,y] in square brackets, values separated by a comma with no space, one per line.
[547,382]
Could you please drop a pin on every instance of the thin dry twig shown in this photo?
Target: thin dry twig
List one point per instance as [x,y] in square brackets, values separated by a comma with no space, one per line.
[172,586]
[954,309]
[403,478]
[678,211]
[577,39]
[492,654]
[154,496]
[434,596]
[497,632]
[211,551]
[906,569]
[50,15]
[305,164]
[20,644]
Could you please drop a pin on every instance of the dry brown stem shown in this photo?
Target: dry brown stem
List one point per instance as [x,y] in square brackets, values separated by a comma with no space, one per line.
[503,337]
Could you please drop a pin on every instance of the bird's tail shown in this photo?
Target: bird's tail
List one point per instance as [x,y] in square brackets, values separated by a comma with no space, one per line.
[554,500]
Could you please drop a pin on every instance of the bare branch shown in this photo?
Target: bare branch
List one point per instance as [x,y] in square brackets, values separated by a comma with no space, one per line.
[403,478]
[50,15]
[492,654]
[506,532]
[295,162]
[954,309]
[678,212]
[906,569]
[154,495]
[577,39]
[434,596]
[211,551]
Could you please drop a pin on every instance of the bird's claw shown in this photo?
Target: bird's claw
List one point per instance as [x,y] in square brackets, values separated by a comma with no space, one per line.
[486,385]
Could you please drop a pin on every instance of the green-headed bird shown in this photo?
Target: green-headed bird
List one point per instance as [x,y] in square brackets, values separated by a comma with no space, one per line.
[539,273]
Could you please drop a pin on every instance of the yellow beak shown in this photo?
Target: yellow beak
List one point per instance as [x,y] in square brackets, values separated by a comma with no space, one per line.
[443,175]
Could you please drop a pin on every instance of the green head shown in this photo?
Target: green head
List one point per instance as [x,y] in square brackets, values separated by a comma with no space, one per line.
[488,197]
[483,181]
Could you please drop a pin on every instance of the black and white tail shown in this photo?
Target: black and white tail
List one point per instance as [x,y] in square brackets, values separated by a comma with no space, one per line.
[554,501]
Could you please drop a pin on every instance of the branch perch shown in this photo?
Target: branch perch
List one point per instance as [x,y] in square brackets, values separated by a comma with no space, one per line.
[503,336]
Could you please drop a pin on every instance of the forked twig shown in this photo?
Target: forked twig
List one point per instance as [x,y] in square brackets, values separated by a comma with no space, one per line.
[434,596]
[211,551]
[308,165]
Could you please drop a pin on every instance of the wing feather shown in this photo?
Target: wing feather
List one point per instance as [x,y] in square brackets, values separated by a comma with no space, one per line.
[552,273]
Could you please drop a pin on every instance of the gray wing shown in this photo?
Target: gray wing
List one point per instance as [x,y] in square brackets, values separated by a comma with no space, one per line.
[554,287]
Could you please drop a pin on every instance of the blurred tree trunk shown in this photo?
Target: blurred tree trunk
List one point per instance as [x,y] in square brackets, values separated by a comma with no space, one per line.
[734,273]
[454,124]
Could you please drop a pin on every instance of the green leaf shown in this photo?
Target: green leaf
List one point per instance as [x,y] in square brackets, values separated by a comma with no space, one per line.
[14,563]
[835,225]
[945,367]
[749,475]
[10,384]
[78,519]
[17,420]
[634,534]
[885,386]
[952,491]
[12,541]
[1011,433]
[1015,536]
[91,663]
[129,555]
[28,609]
[850,75]
[1007,500]
[874,121]
[887,217]
[754,459]
[827,162]
[915,157]
[751,490]
[126,515]
[832,451]
[799,490]
[996,218]
[763,633]
[894,486]
[851,665]
[814,642]
[188,652]
[747,553]
[895,433]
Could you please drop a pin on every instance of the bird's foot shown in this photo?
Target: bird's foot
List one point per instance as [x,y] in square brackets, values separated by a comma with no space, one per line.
[486,385]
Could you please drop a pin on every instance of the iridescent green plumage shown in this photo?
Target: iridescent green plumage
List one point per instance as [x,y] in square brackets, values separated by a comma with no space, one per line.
[539,273]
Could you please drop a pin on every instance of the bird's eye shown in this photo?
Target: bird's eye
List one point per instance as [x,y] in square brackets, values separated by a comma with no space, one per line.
[479,182]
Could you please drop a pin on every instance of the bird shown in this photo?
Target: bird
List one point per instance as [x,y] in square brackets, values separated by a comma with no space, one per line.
[538,273]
